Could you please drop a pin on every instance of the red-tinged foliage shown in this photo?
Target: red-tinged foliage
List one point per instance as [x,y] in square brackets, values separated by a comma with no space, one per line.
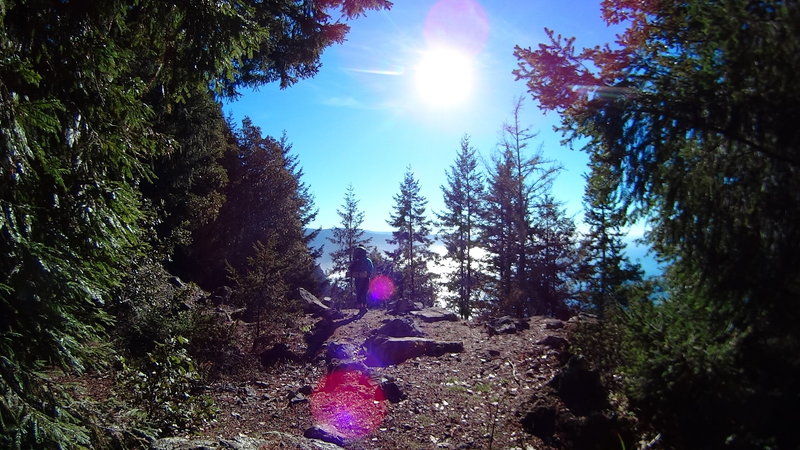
[555,74]
[560,78]
[335,32]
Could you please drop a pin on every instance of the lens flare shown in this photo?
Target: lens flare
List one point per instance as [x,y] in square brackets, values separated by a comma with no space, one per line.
[349,403]
[461,23]
[381,288]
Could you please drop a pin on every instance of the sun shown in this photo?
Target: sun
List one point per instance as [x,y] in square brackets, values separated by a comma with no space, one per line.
[444,77]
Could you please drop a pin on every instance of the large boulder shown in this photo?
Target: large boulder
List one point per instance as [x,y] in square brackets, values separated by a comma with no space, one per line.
[385,350]
[340,350]
[404,327]
[435,315]
[317,336]
[313,305]
[270,439]
[558,427]
[344,356]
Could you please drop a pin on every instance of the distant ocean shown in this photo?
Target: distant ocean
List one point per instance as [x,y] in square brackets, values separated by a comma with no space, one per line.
[637,252]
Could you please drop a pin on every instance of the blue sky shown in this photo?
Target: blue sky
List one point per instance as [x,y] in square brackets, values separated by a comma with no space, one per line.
[364,118]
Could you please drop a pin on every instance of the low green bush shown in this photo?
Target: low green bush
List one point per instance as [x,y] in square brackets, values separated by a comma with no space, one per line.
[165,388]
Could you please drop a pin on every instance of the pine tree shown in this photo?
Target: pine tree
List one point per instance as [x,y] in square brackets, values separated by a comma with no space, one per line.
[412,236]
[554,259]
[605,269]
[459,227]
[186,191]
[347,237]
[498,235]
[517,182]
[262,218]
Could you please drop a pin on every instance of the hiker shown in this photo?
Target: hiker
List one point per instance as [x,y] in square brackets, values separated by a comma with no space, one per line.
[361,271]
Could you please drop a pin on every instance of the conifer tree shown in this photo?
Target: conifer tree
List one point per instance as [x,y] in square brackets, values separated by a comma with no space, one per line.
[604,268]
[412,237]
[517,181]
[347,237]
[186,190]
[264,200]
[498,234]
[553,261]
[459,222]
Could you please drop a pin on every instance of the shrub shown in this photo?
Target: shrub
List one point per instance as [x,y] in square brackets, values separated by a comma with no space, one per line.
[681,374]
[165,389]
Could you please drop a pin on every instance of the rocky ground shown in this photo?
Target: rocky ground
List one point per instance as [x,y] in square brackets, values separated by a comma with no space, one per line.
[420,380]
[476,386]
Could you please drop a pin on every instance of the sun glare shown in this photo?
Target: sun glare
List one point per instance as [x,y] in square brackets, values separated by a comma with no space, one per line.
[444,77]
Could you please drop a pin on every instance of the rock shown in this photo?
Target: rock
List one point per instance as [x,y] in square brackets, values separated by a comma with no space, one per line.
[180,443]
[399,307]
[553,324]
[583,318]
[222,295]
[319,334]
[580,388]
[435,315]
[230,313]
[503,325]
[312,305]
[391,390]
[506,325]
[176,282]
[384,350]
[286,440]
[348,365]
[404,327]
[599,431]
[340,350]
[297,398]
[270,439]
[325,434]
[278,353]
[342,356]
[553,342]
[540,421]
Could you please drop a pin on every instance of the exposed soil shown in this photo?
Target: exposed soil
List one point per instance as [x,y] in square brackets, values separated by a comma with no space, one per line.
[459,400]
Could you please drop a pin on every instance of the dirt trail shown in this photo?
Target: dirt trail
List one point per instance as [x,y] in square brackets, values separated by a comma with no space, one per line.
[468,400]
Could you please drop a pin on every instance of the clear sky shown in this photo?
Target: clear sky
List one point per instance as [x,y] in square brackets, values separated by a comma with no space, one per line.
[406,86]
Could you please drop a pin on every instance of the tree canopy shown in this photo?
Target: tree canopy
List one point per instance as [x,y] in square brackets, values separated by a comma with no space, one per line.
[92,97]
[693,115]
